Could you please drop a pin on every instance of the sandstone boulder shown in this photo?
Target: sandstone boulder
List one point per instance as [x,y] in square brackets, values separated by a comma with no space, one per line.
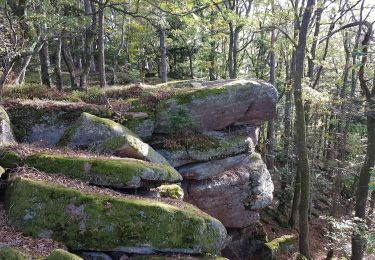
[216,106]
[204,147]
[102,222]
[111,172]
[6,134]
[235,195]
[105,135]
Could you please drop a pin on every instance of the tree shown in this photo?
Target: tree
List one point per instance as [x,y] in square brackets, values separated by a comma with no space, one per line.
[301,144]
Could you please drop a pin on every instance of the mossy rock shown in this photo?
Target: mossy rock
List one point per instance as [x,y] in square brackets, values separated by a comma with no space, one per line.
[215,106]
[279,245]
[105,135]
[96,222]
[6,133]
[10,159]
[173,191]
[9,253]
[60,254]
[118,173]
[37,121]
[205,148]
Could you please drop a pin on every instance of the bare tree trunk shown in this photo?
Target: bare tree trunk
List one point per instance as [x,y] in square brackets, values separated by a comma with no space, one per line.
[117,52]
[163,57]
[44,65]
[101,65]
[69,63]
[358,242]
[296,199]
[302,154]
[57,67]
[89,40]
[271,123]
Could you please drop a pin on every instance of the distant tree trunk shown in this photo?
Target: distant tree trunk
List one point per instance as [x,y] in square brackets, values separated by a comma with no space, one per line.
[358,242]
[230,51]
[163,57]
[57,67]
[117,51]
[211,70]
[101,48]
[44,65]
[69,64]
[19,71]
[302,154]
[191,65]
[89,40]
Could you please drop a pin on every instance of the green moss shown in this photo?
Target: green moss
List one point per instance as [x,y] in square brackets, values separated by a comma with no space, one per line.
[2,171]
[8,253]
[281,244]
[10,159]
[112,172]
[187,96]
[101,222]
[60,254]
[172,191]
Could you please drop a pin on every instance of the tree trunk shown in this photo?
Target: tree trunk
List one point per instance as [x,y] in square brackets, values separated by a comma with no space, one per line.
[89,40]
[163,57]
[57,67]
[296,199]
[271,123]
[44,65]
[69,64]
[358,242]
[117,52]
[101,65]
[302,157]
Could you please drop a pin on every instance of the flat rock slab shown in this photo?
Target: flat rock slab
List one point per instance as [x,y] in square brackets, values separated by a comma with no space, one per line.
[111,172]
[98,222]
[216,107]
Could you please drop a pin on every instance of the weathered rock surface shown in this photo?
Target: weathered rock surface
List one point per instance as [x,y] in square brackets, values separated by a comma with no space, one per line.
[217,106]
[207,147]
[234,195]
[111,172]
[105,135]
[6,134]
[86,221]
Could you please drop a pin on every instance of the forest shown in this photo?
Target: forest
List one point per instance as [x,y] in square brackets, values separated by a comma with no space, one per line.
[191,129]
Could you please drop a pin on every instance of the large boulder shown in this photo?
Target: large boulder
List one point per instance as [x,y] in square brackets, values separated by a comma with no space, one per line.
[111,172]
[182,150]
[234,195]
[44,122]
[105,135]
[102,222]
[215,106]
[6,134]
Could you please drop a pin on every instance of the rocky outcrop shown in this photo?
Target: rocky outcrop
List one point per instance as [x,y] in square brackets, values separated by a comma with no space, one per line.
[101,222]
[6,134]
[105,171]
[105,135]
[207,131]
[217,105]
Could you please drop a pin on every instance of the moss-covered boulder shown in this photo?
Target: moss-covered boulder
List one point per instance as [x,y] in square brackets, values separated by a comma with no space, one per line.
[216,105]
[112,172]
[173,191]
[182,150]
[105,135]
[97,222]
[60,254]
[6,134]
[283,244]
[9,253]
[44,122]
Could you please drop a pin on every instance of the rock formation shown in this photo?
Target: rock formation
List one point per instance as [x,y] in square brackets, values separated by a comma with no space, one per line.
[208,132]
